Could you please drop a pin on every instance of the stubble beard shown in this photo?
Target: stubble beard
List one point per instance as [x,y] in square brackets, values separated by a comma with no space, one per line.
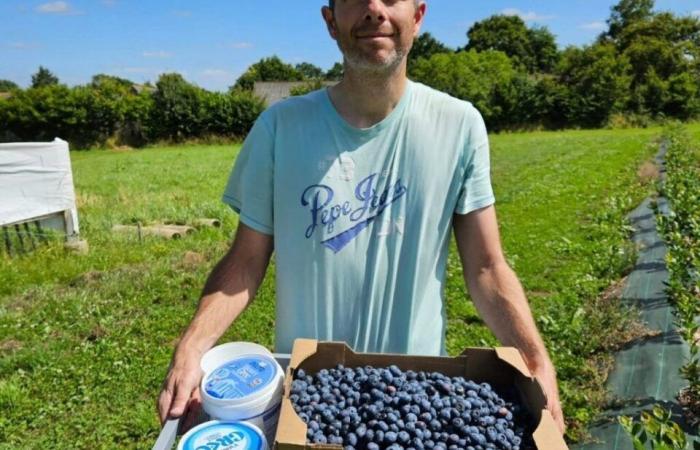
[359,63]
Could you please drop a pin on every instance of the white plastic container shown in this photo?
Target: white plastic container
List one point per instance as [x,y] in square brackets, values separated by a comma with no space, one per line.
[242,382]
[224,436]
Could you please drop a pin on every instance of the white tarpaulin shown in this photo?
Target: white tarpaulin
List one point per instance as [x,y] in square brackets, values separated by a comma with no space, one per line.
[36,181]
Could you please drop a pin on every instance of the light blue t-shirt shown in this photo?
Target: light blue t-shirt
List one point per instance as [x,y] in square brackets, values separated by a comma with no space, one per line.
[361,218]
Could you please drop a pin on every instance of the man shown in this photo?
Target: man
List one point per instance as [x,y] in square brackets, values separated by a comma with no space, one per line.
[359,185]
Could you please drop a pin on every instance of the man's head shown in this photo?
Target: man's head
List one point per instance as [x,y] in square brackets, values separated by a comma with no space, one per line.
[374,35]
[331,3]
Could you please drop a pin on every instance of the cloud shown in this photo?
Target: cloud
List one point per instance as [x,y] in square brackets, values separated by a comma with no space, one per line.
[59,7]
[597,25]
[182,13]
[22,45]
[529,16]
[147,71]
[158,54]
[216,73]
[240,45]
[140,70]
[695,13]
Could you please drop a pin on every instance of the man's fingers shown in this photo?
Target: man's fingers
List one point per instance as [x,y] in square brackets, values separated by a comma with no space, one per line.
[194,410]
[558,416]
[554,407]
[164,400]
[182,396]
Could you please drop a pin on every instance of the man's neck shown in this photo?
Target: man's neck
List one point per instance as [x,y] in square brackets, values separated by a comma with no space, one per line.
[365,99]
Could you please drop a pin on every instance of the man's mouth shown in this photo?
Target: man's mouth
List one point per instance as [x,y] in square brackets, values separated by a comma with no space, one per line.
[374,35]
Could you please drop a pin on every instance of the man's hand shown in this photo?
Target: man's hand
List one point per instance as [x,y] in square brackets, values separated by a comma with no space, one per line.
[180,396]
[500,299]
[547,377]
[228,291]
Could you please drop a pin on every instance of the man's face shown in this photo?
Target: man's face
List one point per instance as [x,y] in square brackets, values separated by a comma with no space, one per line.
[374,35]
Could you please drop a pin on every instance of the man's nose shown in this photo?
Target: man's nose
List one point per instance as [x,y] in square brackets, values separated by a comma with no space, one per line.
[376,11]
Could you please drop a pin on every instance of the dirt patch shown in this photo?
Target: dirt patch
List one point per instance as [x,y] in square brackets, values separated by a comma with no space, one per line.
[83,199]
[87,278]
[10,345]
[95,334]
[192,259]
[648,172]
[539,294]
[635,329]
[614,291]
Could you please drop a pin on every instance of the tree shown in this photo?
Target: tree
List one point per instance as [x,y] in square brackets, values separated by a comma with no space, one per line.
[664,53]
[43,77]
[7,85]
[534,49]
[483,78]
[425,46]
[544,49]
[267,69]
[596,81]
[103,79]
[309,71]
[335,72]
[627,12]
[176,109]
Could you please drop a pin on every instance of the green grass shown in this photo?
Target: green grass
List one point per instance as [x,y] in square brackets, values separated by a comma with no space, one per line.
[85,340]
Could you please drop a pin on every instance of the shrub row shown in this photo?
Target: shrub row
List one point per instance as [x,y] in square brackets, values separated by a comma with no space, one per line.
[112,109]
[680,228]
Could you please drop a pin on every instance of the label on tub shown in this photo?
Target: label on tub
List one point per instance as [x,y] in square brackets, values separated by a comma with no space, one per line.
[241,377]
[223,436]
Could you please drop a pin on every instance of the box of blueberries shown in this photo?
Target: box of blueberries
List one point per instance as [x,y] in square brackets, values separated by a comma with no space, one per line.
[337,399]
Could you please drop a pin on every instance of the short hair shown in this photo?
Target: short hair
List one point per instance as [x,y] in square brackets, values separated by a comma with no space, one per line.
[331,3]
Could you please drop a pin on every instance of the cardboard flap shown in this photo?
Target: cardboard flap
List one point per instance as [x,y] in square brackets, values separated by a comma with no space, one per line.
[302,349]
[512,356]
[546,435]
[290,429]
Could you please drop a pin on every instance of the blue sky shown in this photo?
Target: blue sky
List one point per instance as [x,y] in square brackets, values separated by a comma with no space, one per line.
[212,42]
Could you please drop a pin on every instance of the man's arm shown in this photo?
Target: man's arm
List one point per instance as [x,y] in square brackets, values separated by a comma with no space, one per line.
[500,299]
[228,290]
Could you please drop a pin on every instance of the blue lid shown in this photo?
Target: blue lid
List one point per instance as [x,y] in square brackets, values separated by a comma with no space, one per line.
[223,436]
[241,377]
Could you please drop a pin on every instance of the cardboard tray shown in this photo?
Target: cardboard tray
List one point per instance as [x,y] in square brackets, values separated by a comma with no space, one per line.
[501,366]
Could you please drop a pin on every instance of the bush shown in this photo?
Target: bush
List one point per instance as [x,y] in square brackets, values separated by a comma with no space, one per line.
[596,83]
[231,114]
[307,87]
[483,78]
[110,109]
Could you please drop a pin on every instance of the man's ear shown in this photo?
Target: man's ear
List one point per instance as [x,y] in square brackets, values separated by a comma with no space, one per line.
[418,18]
[329,18]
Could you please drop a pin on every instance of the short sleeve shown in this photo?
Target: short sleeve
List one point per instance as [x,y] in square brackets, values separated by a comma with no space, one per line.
[249,190]
[475,190]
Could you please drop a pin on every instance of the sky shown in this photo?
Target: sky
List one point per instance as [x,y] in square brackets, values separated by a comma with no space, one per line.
[211,42]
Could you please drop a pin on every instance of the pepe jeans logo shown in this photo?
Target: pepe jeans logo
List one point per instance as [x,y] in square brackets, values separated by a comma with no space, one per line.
[319,198]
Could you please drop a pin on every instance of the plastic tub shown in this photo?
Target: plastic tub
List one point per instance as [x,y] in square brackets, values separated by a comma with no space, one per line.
[224,436]
[242,382]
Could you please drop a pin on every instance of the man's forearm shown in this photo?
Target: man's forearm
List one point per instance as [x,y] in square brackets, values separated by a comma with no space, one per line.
[500,299]
[229,288]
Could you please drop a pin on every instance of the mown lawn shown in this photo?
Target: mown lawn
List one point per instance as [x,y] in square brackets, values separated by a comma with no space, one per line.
[85,340]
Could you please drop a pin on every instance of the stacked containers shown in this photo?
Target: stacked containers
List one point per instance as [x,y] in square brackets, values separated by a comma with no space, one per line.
[223,436]
[242,382]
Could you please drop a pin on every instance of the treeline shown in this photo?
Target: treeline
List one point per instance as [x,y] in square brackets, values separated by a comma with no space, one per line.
[645,66]
[113,110]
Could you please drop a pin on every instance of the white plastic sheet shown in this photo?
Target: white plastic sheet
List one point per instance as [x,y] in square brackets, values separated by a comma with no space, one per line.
[36,180]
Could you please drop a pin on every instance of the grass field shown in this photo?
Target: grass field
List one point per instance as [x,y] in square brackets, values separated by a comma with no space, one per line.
[85,340]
